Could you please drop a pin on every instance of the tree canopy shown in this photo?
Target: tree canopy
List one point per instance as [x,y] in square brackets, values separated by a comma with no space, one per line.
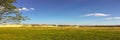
[9,13]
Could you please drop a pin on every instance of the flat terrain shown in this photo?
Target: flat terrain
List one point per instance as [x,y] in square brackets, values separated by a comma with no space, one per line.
[60,33]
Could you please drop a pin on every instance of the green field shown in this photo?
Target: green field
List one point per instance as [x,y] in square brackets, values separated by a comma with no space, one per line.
[60,33]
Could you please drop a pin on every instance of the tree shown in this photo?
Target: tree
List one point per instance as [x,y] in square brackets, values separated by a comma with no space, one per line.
[9,13]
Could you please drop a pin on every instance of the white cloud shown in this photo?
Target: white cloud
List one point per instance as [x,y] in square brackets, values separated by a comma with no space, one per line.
[20,9]
[26,9]
[32,8]
[113,18]
[97,14]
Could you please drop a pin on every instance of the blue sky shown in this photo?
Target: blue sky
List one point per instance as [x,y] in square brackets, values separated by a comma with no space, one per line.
[83,12]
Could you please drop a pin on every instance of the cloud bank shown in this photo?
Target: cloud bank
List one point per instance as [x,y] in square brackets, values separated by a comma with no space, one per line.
[25,9]
[113,18]
[97,14]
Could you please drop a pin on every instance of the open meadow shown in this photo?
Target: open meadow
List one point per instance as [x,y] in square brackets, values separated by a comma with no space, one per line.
[60,33]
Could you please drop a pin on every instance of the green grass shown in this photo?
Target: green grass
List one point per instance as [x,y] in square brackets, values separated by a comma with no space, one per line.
[57,33]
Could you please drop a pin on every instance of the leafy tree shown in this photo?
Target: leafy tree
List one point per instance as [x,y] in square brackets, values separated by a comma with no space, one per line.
[9,13]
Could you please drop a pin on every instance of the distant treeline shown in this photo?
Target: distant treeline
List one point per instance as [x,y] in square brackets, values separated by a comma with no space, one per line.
[53,25]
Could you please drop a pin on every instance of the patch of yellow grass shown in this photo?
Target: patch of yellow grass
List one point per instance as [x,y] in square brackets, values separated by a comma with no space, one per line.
[11,25]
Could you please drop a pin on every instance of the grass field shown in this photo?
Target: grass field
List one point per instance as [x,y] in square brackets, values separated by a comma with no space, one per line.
[60,33]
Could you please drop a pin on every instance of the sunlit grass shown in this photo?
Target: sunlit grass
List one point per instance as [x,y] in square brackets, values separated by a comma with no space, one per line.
[60,33]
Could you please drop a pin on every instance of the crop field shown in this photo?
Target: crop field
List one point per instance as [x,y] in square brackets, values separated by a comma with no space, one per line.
[60,33]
